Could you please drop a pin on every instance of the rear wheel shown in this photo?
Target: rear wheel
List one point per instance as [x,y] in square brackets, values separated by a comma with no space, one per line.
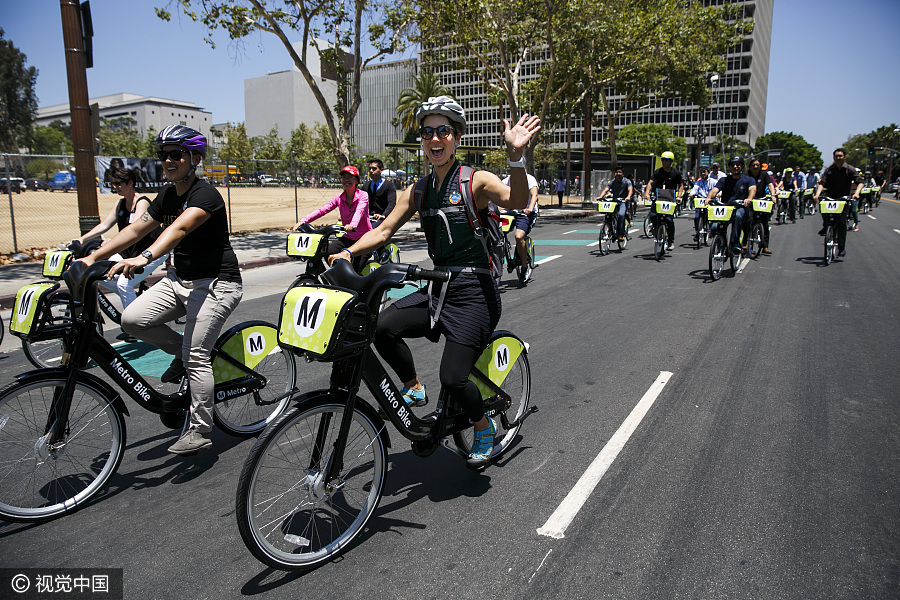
[288,515]
[40,481]
[518,385]
[247,415]
[605,236]
[716,257]
[648,226]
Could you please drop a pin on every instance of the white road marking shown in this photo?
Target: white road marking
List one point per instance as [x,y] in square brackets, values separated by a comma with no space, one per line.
[548,259]
[743,264]
[873,218]
[565,513]
[540,565]
[568,232]
[597,243]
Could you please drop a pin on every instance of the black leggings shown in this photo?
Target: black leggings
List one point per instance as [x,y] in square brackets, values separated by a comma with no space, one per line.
[414,322]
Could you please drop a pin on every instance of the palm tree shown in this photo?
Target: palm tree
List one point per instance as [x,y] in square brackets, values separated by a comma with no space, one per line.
[424,87]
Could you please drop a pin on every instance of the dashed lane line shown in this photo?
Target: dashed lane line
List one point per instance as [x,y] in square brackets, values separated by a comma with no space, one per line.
[547,259]
[565,513]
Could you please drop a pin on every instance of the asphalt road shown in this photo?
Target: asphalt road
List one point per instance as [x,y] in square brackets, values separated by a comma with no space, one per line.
[766,467]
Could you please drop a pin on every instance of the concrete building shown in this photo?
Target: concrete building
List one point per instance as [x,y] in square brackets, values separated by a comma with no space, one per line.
[136,112]
[380,88]
[738,110]
[286,100]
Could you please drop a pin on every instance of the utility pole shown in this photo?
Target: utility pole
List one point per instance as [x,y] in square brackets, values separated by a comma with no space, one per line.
[82,137]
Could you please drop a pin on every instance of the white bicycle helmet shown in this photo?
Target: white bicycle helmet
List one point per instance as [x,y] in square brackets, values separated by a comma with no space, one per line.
[445,106]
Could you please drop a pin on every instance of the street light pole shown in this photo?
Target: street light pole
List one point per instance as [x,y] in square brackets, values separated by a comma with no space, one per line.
[714,79]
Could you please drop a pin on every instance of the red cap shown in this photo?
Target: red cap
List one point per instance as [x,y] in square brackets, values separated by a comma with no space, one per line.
[352,170]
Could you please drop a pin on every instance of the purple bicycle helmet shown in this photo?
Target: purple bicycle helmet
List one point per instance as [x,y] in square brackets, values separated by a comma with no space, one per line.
[187,138]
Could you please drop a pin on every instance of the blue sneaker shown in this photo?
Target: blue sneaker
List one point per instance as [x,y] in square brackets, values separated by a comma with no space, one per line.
[482,446]
[414,397]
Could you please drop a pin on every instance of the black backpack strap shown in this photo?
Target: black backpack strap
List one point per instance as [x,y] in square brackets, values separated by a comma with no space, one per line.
[419,193]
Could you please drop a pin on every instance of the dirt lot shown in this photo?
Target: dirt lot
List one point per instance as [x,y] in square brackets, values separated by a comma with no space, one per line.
[44,219]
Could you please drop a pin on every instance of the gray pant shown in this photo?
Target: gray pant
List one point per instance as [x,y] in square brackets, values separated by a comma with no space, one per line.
[206,303]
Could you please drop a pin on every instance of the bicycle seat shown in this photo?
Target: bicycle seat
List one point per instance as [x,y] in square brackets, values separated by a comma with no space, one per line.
[342,275]
[79,277]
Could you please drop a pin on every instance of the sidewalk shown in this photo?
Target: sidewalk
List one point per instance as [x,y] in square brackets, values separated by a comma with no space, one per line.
[253,250]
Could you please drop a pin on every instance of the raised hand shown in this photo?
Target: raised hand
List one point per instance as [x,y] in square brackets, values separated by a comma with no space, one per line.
[517,137]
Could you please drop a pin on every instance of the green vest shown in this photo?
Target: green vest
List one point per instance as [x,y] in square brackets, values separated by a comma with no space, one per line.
[451,237]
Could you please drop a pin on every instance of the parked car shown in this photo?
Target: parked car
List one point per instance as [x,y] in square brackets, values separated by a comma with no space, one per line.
[267,180]
[18,184]
[36,184]
[62,181]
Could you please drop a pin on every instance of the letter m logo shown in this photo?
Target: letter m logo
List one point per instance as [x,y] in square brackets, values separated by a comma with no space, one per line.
[309,311]
[501,357]
[25,303]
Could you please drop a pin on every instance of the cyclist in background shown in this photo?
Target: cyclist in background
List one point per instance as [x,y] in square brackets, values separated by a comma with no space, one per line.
[765,186]
[800,180]
[621,189]
[665,178]
[524,223]
[715,174]
[737,190]
[701,189]
[789,184]
[839,179]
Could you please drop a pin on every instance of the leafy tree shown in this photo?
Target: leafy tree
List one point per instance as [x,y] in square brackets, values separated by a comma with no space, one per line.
[119,138]
[424,87]
[342,21]
[50,140]
[321,147]
[857,147]
[42,168]
[795,151]
[651,139]
[18,102]
[268,147]
[237,144]
[299,144]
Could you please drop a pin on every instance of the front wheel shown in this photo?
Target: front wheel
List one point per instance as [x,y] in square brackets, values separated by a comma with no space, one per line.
[43,481]
[659,242]
[830,245]
[717,253]
[605,237]
[623,239]
[529,248]
[255,345]
[289,517]
[518,385]
[757,240]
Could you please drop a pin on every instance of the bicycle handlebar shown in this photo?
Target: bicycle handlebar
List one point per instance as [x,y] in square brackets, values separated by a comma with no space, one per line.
[416,272]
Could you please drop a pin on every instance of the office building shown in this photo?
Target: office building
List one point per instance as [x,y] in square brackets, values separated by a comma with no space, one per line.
[380,88]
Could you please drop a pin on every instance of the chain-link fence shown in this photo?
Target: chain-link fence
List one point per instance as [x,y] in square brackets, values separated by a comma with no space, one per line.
[39,207]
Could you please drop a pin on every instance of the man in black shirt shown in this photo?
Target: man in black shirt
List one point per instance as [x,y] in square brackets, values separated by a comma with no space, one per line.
[839,179]
[668,185]
[205,286]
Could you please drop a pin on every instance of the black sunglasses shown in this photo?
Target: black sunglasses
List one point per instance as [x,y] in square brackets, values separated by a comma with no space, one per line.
[443,132]
[175,155]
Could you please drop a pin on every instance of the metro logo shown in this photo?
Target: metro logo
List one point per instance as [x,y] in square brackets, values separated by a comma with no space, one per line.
[302,242]
[719,211]
[308,314]
[501,358]
[256,343]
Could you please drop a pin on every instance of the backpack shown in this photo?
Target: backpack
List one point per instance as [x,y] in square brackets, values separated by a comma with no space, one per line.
[488,233]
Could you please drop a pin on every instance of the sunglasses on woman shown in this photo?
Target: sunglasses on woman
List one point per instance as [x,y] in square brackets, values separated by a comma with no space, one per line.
[175,155]
[443,132]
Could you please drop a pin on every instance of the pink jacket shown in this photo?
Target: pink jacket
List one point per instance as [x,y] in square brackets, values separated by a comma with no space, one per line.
[354,213]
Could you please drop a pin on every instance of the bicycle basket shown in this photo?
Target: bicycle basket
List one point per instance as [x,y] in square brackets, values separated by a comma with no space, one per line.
[506,222]
[699,202]
[665,207]
[496,361]
[865,190]
[606,206]
[719,213]
[31,311]
[322,321]
[784,194]
[762,206]
[832,207]
[56,262]
[304,245]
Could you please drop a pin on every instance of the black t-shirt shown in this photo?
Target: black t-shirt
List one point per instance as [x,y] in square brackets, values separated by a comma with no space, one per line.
[734,190]
[840,181]
[124,219]
[667,181]
[205,252]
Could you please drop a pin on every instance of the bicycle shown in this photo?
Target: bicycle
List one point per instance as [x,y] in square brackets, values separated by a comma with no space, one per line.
[610,211]
[663,208]
[62,430]
[757,240]
[785,203]
[310,244]
[831,210]
[809,202]
[703,226]
[315,477]
[510,255]
[865,200]
[720,216]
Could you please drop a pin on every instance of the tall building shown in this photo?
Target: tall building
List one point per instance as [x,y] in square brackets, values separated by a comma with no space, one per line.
[380,88]
[738,110]
[136,112]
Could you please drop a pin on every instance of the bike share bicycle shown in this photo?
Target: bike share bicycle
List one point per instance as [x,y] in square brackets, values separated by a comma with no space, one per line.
[833,209]
[310,244]
[703,227]
[720,217]
[609,228]
[664,208]
[315,477]
[510,256]
[62,430]
[785,206]
[756,241]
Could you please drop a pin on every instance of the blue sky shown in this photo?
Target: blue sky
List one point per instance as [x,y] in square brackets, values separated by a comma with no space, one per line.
[830,72]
